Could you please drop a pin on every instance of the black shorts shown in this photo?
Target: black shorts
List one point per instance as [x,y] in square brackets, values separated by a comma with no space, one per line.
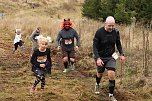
[68,53]
[109,64]
[18,44]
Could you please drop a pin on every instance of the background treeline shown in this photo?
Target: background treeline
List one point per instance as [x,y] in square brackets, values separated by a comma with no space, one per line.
[124,11]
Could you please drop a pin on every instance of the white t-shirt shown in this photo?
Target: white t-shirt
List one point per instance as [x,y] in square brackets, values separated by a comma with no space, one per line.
[17,38]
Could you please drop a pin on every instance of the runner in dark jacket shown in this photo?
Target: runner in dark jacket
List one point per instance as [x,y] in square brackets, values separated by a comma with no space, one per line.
[105,56]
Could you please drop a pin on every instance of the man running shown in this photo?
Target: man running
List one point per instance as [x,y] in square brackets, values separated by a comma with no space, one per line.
[104,51]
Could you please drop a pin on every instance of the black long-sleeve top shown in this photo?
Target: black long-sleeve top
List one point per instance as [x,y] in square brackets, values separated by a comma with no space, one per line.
[104,43]
[41,57]
[65,38]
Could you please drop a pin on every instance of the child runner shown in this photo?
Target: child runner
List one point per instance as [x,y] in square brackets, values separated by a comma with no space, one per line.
[18,41]
[41,63]
[34,39]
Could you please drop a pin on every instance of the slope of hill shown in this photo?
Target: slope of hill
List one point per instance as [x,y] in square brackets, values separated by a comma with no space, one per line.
[16,77]
[52,8]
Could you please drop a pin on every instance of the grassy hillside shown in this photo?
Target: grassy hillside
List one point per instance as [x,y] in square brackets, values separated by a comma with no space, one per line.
[51,8]
[16,77]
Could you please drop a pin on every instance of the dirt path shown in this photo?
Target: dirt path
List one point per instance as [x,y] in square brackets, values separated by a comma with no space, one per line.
[16,79]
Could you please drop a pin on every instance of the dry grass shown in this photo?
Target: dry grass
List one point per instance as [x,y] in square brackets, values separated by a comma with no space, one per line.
[73,86]
[16,78]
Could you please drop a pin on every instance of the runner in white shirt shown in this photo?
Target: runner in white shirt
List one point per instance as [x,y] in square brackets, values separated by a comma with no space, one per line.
[18,41]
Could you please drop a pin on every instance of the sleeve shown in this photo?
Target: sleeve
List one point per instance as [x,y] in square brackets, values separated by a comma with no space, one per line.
[58,39]
[32,36]
[49,57]
[77,38]
[33,59]
[118,44]
[96,41]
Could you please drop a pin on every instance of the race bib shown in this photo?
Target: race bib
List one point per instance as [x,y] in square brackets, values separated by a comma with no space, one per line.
[115,56]
[68,42]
